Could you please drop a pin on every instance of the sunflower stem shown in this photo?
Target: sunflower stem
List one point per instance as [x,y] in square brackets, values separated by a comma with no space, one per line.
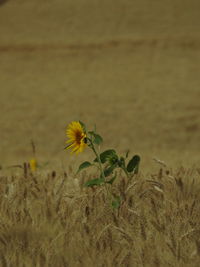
[101,169]
[98,159]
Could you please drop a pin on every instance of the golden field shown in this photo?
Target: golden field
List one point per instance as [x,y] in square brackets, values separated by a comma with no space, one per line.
[53,220]
[131,68]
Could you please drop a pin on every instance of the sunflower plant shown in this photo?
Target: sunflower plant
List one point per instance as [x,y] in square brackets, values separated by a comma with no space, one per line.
[106,162]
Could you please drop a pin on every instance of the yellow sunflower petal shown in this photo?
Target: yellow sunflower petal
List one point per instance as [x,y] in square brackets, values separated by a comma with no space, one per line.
[76,136]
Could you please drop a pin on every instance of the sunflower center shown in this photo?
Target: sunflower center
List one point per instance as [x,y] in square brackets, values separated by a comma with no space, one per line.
[79,137]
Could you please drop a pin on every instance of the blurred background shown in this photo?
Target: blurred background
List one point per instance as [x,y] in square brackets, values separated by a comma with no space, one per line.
[130,67]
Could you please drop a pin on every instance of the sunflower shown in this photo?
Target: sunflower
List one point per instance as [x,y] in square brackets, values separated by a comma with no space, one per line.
[77,137]
[33,165]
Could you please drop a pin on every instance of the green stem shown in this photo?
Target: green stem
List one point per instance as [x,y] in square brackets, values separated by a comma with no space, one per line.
[101,169]
[98,159]
[122,165]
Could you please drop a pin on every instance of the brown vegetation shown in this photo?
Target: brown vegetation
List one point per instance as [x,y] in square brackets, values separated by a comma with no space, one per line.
[52,220]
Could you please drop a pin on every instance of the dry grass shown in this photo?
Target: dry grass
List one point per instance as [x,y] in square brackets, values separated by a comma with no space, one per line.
[52,220]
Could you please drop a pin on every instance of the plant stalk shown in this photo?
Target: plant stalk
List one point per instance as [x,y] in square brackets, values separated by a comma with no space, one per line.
[98,159]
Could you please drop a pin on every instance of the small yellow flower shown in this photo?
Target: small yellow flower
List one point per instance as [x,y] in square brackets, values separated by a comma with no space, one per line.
[77,137]
[33,165]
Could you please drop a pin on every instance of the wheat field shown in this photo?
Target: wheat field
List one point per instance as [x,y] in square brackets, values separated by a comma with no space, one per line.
[131,68]
[51,219]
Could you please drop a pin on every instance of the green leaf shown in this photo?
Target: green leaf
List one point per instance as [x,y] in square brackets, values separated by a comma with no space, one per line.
[97,138]
[97,181]
[133,164]
[105,155]
[112,179]
[109,170]
[84,165]
[116,203]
